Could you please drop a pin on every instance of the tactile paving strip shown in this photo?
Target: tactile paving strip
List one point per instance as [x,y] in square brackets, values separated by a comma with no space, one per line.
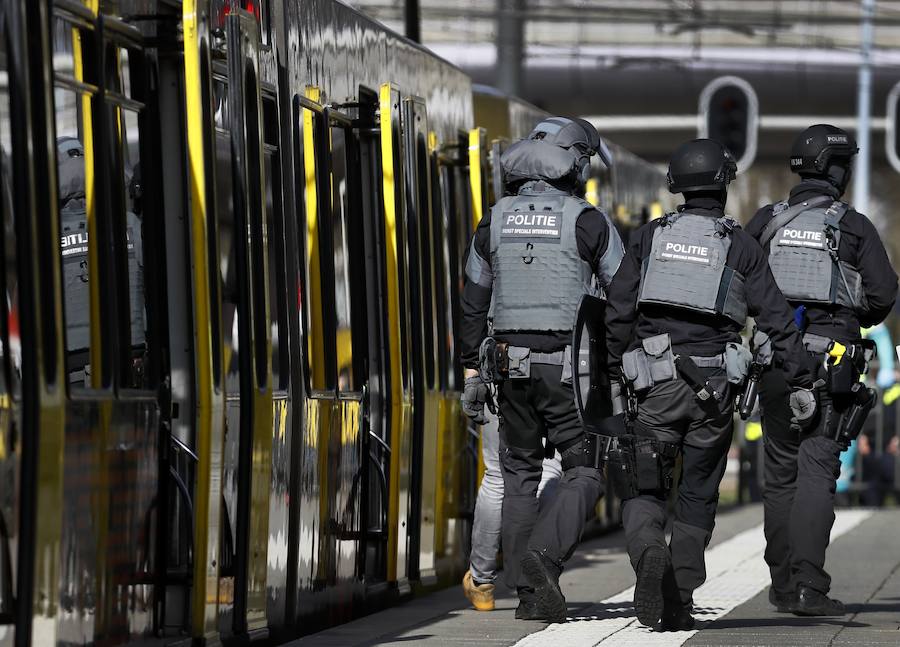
[735,572]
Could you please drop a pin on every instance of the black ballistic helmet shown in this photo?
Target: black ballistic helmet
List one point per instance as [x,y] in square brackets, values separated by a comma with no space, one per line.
[700,165]
[820,146]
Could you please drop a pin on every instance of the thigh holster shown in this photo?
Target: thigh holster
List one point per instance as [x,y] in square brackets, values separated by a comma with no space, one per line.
[641,466]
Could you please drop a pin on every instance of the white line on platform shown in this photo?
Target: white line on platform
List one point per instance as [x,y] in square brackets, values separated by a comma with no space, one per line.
[735,571]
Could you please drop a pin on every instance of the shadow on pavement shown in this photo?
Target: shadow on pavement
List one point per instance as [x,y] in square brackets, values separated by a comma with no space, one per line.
[603,612]
[786,621]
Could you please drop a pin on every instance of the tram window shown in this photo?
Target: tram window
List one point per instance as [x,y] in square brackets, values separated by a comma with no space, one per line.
[127,208]
[340,234]
[426,237]
[439,242]
[227,261]
[73,235]
[311,135]
[134,245]
[275,233]
[10,347]
[72,102]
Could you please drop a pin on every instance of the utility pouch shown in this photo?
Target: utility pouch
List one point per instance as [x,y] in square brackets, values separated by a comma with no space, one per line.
[636,370]
[737,362]
[518,362]
[660,358]
[620,467]
[651,364]
[647,466]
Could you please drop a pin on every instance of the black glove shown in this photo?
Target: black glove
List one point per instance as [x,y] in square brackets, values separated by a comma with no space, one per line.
[473,398]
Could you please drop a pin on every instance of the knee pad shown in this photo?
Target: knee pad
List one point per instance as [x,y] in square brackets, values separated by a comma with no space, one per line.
[639,465]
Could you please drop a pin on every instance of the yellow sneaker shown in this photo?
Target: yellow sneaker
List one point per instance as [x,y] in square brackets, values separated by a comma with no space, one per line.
[480,595]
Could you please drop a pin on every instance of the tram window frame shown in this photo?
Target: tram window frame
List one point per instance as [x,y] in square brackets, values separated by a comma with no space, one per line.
[420,173]
[320,156]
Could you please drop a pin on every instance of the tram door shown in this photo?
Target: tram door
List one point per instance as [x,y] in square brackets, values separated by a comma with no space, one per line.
[245,332]
[10,355]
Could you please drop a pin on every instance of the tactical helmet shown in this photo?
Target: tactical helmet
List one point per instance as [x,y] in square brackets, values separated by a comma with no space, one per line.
[817,147]
[70,168]
[700,165]
[572,132]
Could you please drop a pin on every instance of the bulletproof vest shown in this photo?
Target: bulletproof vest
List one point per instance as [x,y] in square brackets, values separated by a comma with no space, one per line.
[687,269]
[538,275]
[803,258]
[74,249]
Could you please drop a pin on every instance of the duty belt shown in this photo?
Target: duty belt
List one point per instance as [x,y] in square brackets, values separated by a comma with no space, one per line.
[816,343]
[554,359]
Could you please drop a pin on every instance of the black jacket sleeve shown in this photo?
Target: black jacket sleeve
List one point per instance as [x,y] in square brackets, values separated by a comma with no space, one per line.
[476,293]
[771,311]
[621,305]
[758,221]
[878,277]
[599,244]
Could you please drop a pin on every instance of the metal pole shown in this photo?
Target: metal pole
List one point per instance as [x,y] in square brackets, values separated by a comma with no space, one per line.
[510,45]
[864,108]
[413,22]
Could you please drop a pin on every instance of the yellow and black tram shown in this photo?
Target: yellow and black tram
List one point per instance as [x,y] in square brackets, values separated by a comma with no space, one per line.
[228,379]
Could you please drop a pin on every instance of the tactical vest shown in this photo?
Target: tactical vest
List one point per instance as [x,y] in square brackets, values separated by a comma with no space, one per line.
[687,269]
[74,249]
[539,276]
[803,257]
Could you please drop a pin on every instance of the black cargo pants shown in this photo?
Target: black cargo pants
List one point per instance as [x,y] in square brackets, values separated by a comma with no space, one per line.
[801,472]
[671,412]
[532,409]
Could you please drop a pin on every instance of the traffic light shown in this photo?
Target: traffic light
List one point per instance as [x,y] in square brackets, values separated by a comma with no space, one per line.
[892,128]
[729,114]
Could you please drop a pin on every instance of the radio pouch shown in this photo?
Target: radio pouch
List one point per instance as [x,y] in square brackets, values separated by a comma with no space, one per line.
[518,362]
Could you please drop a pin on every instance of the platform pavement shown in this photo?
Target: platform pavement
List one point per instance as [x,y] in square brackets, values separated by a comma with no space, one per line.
[864,561]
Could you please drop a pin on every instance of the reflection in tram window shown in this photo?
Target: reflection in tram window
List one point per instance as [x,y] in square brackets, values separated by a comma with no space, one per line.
[73,238]
[9,332]
[277,285]
[340,214]
[134,243]
[227,263]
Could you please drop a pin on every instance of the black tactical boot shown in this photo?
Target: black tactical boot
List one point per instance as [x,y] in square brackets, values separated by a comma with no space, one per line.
[783,602]
[676,618]
[543,576]
[527,610]
[815,603]
[648,594]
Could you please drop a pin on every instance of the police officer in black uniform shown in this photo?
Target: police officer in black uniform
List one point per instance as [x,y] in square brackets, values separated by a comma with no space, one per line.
[831,265]
[530,262]
[673,318]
